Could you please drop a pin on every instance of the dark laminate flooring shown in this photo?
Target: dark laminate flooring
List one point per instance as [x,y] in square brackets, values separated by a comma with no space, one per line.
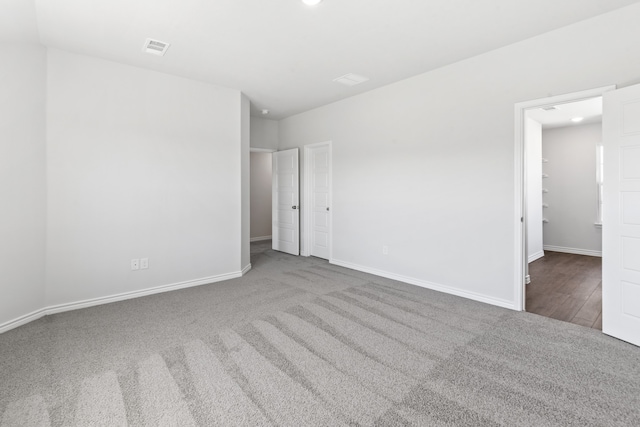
[566,287]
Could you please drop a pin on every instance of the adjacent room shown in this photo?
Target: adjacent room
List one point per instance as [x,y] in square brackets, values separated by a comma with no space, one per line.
[564,199]
[315,212]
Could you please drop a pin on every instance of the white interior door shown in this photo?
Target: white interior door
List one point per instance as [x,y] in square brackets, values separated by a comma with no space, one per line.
[621,215]
[321,199]
[285,205]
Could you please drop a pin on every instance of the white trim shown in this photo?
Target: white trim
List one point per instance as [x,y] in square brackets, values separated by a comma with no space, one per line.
[246,269]
[576,251]
[261,150]
[11,324]
[536,256]
[519,180]
[428,285]
[22,320]
[258,239]
[308,200]
[135,294]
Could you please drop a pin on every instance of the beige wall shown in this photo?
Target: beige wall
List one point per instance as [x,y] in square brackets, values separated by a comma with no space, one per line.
[260,195]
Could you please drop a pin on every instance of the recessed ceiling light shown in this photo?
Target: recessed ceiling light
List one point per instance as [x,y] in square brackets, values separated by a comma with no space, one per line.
[577,119]
[311,2]
[265,111]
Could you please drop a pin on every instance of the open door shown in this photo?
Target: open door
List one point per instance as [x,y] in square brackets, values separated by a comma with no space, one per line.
[621,215]
[285,206]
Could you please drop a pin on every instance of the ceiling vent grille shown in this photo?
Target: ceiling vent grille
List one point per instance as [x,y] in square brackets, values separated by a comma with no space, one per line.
[351,79]
[155,47]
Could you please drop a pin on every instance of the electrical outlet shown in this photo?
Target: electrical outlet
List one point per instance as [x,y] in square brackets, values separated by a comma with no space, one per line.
[135,264]
[385,250]
[144,263]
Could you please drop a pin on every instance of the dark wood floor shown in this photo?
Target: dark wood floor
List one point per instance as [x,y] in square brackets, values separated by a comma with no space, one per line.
[566,287]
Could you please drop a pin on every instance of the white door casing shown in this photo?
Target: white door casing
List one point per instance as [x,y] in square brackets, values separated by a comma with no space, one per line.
[285,202]
[621,215]
[318,189]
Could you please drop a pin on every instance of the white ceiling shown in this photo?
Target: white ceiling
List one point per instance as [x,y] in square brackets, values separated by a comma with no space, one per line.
[589,109]
[284,55]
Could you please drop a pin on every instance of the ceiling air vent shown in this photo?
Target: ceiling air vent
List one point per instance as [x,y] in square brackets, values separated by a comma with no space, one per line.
[351,79]
[155,47]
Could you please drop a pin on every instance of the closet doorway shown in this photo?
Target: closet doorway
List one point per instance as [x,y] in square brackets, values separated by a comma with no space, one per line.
[564,211]
[260,204]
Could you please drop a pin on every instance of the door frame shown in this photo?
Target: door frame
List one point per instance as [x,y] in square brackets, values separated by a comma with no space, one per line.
[520,220]
[308,198]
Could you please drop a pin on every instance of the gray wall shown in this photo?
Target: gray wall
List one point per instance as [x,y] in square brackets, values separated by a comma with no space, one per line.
[260,195]
[245,179]
[22,163]
[139,164]
[572,196]
[264,133]
[426,165]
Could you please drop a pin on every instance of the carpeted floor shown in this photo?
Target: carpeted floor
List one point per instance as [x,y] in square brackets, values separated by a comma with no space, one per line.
[300,342]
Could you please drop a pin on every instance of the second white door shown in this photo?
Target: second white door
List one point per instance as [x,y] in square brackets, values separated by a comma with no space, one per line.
[320,187]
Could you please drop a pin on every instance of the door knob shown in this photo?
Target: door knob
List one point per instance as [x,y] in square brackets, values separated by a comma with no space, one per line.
[327,208]
[294,207]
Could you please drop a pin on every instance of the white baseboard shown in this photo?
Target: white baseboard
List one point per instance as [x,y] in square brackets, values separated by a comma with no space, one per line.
[246,269]
[573,250]
[536,256]
[77,305]
[259,239]
[23,320]
[429,285]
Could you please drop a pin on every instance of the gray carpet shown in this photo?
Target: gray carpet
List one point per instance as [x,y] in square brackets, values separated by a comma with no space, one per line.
[300,342]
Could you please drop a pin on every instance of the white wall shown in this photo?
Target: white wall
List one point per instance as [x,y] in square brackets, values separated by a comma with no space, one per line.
[140,164]
[22,163]
[573,195]
[245,171]
[533,142]
[426,165]
[261,195]
[264,133]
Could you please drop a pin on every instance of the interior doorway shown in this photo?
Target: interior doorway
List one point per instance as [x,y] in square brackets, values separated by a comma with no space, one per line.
[260,204]
[620,206]
[534,177]
[564,222]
